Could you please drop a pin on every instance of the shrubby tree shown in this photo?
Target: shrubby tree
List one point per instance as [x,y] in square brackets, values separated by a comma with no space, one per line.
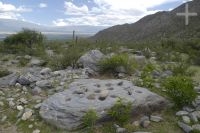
[25,37]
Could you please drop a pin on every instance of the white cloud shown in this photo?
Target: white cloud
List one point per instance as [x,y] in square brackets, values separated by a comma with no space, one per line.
[72,9]
[109,12]
[42,5]
[9,11]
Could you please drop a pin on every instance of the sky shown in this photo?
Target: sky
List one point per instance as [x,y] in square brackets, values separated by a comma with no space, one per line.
[83,12]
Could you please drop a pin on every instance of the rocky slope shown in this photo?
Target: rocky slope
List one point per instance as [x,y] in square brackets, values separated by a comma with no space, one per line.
[162,24]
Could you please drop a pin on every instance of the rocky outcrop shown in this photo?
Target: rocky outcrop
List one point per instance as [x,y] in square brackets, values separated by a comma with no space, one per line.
[66,109]
[90,59]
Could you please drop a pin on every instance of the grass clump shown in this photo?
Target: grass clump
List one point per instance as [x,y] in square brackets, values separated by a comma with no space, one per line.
[121,111]
[110,65]
[180,89]
[4,72]
[89,120]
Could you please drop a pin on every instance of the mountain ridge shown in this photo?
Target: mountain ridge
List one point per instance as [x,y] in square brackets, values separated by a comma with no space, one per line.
[165,24]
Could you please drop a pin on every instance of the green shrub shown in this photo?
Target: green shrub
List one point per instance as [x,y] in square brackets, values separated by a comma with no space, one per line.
[23,61]
[109,65]
[90,118]
[69,57]
[24,42]
[4,72]
[121,111]
[180,89]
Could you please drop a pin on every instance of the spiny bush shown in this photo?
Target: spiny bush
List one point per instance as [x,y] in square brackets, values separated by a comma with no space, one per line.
[110,65]
[180,89]
[121,111]
[89,119]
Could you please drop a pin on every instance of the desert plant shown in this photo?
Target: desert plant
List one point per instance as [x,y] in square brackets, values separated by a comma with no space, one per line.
[121,111]
[180,89]
[110,65]
[90,118]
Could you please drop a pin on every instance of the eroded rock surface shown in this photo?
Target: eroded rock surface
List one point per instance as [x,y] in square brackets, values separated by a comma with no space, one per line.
[65,109]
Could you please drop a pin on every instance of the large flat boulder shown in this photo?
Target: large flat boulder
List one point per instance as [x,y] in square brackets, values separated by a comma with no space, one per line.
[66,109]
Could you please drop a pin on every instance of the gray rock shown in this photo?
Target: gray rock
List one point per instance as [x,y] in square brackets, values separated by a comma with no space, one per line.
[91,59]
[70,107]
[193,116]
[44,84]
[4,118]
[180,113]
[196,127]
[23,80]
[45,71]
[140,59]
[186,128]
[141,132]
[121,130]
[156,118]
[9,80]
[186,119]
[36,91]
[103,95]
[28,57]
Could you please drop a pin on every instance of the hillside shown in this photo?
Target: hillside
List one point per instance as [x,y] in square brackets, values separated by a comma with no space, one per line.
[153,27]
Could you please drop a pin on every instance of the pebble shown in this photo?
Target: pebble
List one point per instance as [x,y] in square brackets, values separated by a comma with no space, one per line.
[4,118]
[18,85]
[11,104]
[20,107]
[27,115]
[1,104]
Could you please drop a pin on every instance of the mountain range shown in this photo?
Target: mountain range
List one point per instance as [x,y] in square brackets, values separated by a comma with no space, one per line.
[165,24]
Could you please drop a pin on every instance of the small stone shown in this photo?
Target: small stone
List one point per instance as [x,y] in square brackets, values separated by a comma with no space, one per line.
[37,106]
[121,130]
[23,100]
[24,89]
[20,107]
[11,104]
[1,104]
[186,119]
[120,83]
[188,109]
[103,95]
[145,123]
[155,118]
[1,93]
[196,127]
[180,113]
[36,131]
[30,126]
[4,118]
[27,115]
[18,85]
[36,91]
[136,123]
[45,71]
[186,128]
[193,117]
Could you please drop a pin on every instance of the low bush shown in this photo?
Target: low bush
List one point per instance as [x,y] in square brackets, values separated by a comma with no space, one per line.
[110,65]
[23,61]
[121,111]
[180,89]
